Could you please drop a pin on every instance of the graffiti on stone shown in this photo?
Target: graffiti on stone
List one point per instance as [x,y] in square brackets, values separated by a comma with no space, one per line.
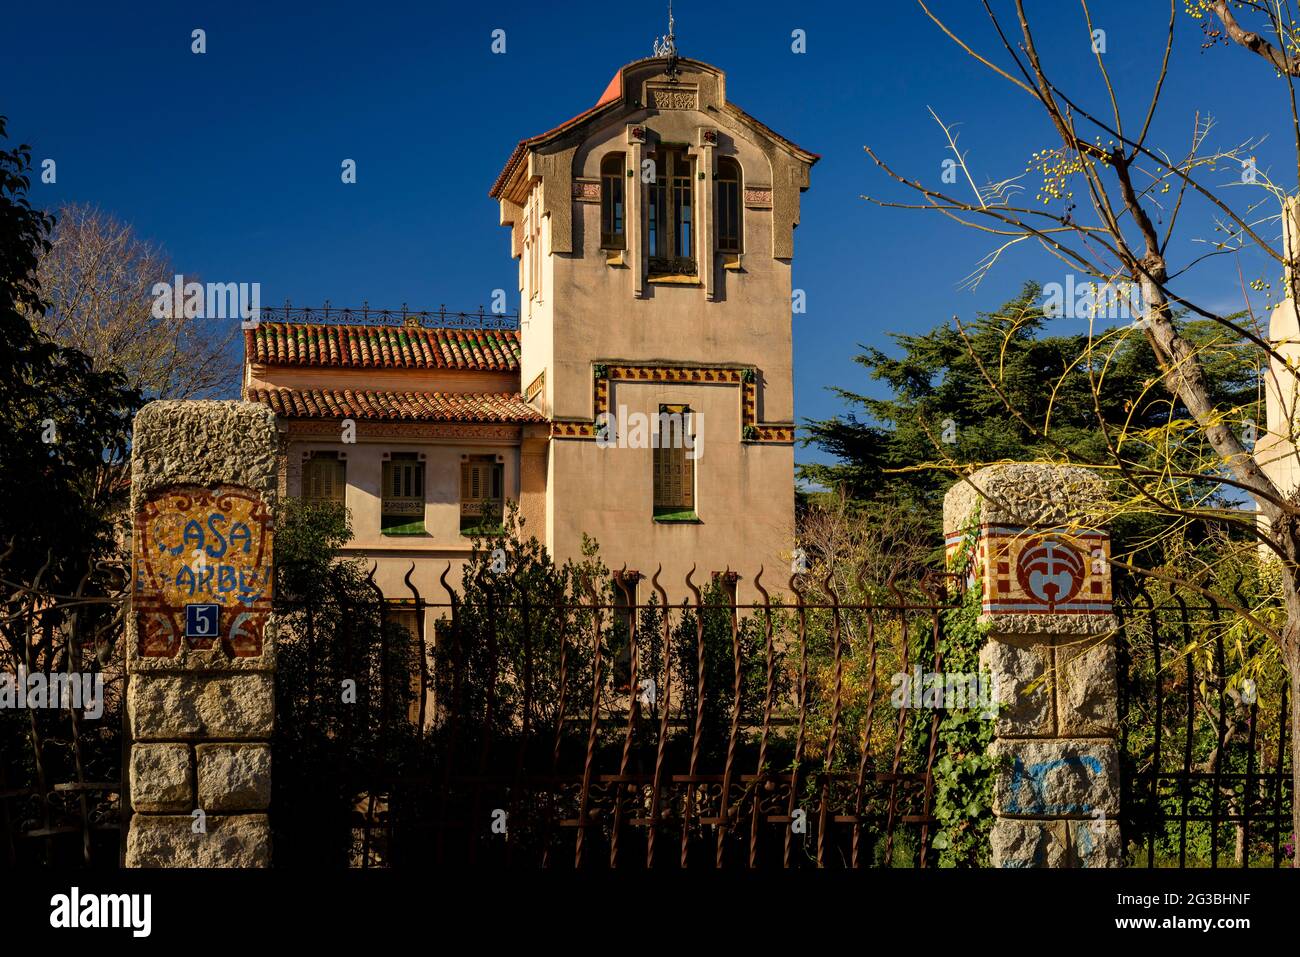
[1030,786]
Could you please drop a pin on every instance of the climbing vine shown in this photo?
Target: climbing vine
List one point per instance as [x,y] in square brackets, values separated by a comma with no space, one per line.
[964,770]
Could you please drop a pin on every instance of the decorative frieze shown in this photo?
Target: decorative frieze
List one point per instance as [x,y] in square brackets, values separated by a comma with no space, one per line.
[1054,571]
[751,431]
[306,430]
[758,197]
[586,190]
[673,99]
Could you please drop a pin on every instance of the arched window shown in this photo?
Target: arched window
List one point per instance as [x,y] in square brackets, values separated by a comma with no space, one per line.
[729,206]
[613,231]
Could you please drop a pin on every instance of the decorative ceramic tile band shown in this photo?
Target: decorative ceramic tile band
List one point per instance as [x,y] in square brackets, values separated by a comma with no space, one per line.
[752,431]
[1056,571]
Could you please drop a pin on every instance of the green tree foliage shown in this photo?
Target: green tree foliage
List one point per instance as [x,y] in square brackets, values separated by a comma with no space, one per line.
[345,695]
[1005,388]
[524,640]
[64,430]
[704,650]
[65,425]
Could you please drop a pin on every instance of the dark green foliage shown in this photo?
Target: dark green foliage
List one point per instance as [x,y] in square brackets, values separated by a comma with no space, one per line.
[1050,401]
[65,430]
[1180,651]
[343,689]
[65,425]
[710,629]
[518,615]
[964,771]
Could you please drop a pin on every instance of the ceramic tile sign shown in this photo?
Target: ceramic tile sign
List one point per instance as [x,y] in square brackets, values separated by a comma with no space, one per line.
[202,571]
[1039,571]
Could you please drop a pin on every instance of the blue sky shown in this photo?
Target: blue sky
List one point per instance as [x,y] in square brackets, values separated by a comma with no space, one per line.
[231,160]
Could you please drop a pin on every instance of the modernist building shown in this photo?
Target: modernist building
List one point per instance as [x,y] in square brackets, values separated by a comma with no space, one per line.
[645,397]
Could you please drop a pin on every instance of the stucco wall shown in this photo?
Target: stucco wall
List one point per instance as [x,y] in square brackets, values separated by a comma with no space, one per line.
[744,496]
[441,486]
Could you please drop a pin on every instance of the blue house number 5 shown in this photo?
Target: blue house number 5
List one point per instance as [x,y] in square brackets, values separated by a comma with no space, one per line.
[201,621]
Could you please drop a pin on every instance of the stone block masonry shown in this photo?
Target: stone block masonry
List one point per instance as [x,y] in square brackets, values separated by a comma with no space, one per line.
[201,635]
[1040,555]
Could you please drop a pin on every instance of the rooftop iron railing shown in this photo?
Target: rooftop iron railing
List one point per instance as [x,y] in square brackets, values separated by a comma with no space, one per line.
[366,315]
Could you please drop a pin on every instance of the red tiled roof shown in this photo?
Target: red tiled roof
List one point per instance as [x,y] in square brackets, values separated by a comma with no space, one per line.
[382,347]
[613,90]
[508,407]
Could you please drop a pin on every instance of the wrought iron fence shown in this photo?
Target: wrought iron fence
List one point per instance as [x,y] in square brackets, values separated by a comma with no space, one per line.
[442,317]
[1205,770]
[62,743]
[612,731]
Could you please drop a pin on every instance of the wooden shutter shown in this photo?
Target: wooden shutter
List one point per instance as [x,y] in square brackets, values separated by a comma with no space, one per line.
[674,471]
[403,488]
[481,482]
[332,480]
[472,481]
[662,479]
[324,479]
[686,473]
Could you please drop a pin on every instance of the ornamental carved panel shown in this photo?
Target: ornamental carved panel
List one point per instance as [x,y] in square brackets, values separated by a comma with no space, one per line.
[535,387]
[674,99]
[399,430]
[586,191]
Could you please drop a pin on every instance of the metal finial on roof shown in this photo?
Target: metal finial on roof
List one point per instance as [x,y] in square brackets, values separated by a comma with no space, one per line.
[666,46]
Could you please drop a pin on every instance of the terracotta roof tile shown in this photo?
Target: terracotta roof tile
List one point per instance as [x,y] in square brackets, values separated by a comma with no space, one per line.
[507,407]
[382,347]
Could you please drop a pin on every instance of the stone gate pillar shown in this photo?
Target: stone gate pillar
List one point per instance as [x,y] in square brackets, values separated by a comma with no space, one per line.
[1040,557]
[200,639]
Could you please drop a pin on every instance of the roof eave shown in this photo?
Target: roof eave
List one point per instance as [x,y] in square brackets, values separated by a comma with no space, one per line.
[509,173]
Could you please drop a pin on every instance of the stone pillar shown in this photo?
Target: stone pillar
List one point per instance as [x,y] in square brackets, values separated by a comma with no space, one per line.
[1040,557]
[200,635]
